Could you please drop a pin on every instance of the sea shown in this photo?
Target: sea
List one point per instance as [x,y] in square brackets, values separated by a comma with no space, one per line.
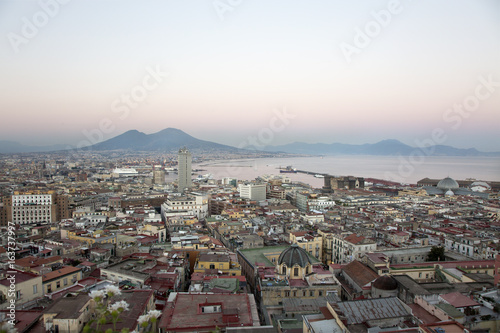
[402,169]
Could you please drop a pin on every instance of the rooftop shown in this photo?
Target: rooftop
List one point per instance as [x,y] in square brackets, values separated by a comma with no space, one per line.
[360,273]
[60,272]
[458,300]
[361,311]
[69,306]
[183,311]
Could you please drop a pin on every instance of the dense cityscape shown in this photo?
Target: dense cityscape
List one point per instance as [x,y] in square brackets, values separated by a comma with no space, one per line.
[144,242]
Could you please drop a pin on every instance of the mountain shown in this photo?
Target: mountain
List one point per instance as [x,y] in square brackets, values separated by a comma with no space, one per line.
[169,139]
[11,147]
[382,148]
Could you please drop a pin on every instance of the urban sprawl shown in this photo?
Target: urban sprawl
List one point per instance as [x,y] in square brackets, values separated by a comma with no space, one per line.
[117,242]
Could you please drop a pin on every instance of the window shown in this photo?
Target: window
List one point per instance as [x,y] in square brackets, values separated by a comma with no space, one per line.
[320,293]
[18,294]
[311,293]
[287,293]
[35,288]
[58,284]
[296,271]
[65,281]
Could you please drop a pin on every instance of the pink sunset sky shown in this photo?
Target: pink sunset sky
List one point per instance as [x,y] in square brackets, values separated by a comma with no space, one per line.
[350,72]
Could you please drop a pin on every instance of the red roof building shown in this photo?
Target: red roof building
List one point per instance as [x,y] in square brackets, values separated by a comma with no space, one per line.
[188,312]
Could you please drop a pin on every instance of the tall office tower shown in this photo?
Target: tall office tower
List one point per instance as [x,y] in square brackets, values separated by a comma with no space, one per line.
[184,169]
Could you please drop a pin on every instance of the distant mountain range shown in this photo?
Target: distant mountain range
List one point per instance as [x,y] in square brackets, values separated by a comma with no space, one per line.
[382,148]
[171,139]
[9,147]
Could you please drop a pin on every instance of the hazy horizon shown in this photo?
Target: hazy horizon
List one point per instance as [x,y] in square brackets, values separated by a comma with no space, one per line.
[221,71]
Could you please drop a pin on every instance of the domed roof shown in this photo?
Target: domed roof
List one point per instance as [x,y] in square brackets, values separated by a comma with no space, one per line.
[448,184]
[294,255]
[385,282]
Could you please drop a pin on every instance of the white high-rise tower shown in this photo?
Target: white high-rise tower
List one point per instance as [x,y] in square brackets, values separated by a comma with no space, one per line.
[184,169]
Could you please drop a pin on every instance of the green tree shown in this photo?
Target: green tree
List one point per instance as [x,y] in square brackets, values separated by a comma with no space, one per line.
[436,254]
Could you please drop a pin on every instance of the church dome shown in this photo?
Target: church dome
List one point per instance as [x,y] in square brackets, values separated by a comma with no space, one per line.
[385,282]
[294,255]
[448,184]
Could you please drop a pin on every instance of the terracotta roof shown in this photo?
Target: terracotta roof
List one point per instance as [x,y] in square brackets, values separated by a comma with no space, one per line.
[60,272]
[32,261]
[184,313]
[354,239]
[359,273]
[458,300]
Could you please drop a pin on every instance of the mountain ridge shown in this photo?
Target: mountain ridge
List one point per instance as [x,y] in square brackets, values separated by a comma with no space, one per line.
[387,147]
[171,139]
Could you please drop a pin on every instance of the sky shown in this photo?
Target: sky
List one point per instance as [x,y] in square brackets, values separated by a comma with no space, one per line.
[279,71]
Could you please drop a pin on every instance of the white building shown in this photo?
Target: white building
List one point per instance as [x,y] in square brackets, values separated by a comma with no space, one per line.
[184,169]
[124,172]
[195,204]
[348,248]
[255,192]
[32,208]
[320,203]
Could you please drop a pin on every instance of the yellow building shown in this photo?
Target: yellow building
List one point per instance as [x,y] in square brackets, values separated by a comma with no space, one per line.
[313,244]
[27,287]
[154,229]
[61,278]
[221,262]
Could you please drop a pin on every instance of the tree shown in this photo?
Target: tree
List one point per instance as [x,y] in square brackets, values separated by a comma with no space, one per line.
[436,254]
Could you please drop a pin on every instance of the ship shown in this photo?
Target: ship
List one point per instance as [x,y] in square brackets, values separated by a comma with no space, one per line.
[288,169]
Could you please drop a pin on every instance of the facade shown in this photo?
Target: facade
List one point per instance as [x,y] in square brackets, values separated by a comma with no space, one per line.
[28,287]
[33,208]
[310,243]
[61,278]
[256,192]
[348,248]
[184,169]
[191,205]
[154,229]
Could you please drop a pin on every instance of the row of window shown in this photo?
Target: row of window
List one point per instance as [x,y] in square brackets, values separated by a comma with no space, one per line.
[297,293]
[58,283]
